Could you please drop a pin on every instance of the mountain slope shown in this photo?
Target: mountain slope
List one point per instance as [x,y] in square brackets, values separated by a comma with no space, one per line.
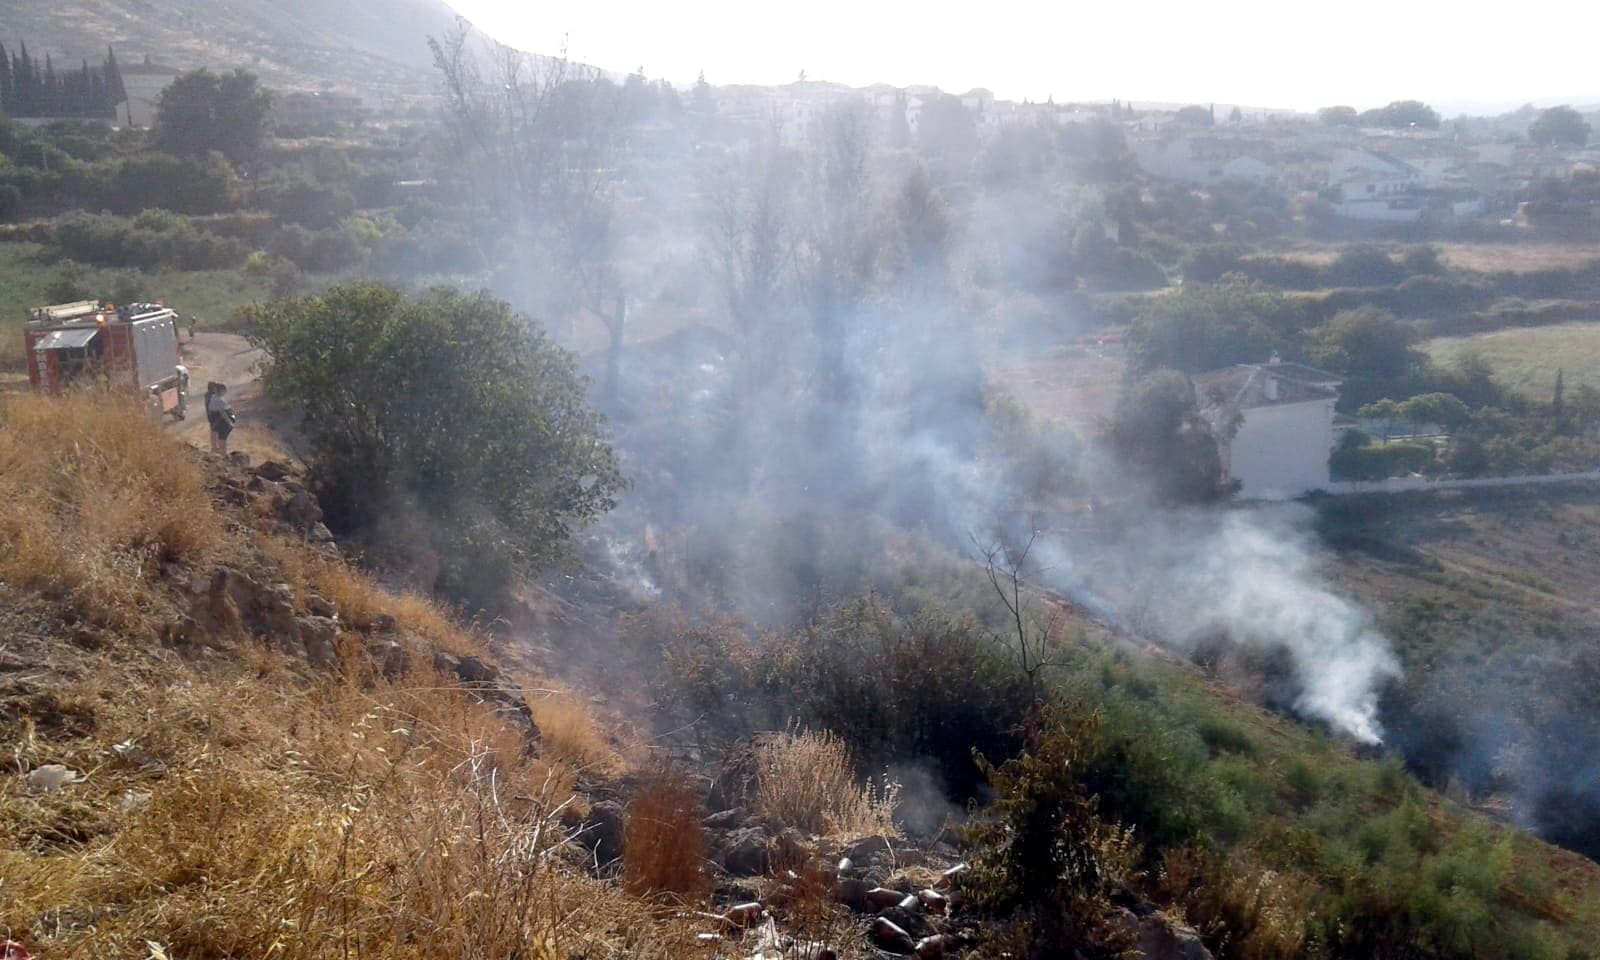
[371,46]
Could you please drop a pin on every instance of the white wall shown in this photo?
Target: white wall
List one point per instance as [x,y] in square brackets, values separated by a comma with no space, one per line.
[1377,210]
[1281,452]
[1410,484]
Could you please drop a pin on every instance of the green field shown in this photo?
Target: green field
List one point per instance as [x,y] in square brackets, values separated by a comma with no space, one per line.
[28,269]
[1526,358]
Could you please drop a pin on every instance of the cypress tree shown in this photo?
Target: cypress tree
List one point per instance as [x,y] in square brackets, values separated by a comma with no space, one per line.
[5,80]
[23,80]
[115,91]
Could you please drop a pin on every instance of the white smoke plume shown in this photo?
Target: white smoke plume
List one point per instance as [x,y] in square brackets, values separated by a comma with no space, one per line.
[1247,575]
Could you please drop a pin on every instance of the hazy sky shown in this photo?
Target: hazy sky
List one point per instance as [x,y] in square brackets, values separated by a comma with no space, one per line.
[1301,55]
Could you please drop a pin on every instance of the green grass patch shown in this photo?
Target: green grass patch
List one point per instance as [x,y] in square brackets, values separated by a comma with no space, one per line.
[1525,359]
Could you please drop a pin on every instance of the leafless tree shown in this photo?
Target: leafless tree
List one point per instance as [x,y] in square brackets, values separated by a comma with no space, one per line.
[533,140]
[1029,645]
[748,234]
[839,255]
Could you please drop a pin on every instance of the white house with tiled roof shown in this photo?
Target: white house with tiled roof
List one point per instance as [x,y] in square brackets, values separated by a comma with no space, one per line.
[1274,426]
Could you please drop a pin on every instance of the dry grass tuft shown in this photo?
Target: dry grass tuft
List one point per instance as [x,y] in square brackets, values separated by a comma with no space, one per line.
[361,600]
[806,779]
[664,839]
[97,497]
[570,734]
[1262,911]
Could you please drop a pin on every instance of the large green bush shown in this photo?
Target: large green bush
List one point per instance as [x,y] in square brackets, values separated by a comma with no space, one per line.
[1205,327]
[445,421]
[153,240]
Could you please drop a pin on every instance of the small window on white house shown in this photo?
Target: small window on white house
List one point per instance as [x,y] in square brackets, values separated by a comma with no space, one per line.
[1371,188]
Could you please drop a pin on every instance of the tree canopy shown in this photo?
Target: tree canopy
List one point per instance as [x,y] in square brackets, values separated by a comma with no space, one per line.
[1371,349]
[29,88]
[1338,116]
[201,111]
[1203,327]
[1402,113]
[1157,428]
[1561,127]
[447,417]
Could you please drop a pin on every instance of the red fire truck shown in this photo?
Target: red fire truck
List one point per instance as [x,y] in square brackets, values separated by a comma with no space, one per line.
[132,348]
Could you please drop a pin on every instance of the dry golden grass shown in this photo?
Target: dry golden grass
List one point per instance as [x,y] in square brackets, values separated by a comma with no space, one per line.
[570,734]
[361,600]
[232,807]
[806,779]
[96,497]
[1263,911]
[1516,257]
[664,838]
[311,823]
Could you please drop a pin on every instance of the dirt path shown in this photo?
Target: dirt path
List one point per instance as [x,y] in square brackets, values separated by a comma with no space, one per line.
[229,358]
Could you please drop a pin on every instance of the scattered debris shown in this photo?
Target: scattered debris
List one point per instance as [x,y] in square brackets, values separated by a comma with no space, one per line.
[742,915]
[891,937]
[952,876]
[51,777]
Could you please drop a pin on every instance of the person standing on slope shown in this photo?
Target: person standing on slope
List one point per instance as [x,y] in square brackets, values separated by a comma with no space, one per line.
[219,413]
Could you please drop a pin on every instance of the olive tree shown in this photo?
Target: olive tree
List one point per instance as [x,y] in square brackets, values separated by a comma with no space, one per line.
[201,111]
[445,421]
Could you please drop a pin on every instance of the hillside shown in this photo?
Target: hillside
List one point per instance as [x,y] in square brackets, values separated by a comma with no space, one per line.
[230,742]
[1490,599]
[369,46]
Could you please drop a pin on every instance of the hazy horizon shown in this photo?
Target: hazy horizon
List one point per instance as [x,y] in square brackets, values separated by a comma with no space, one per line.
[1249,52]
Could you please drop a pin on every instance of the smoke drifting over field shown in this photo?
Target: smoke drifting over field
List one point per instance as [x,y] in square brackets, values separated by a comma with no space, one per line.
[770,500]
[1247,575]
[847,279]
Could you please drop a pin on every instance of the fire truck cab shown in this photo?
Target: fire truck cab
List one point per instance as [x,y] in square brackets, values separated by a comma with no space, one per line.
[132,348]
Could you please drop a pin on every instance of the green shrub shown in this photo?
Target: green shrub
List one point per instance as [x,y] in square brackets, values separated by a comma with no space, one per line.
[1377,461]
[154,240]
[307,203]
[318,251]
[1044,862]
[1225,736]
[446,421]
[188,185]
[921,688]
[1363,265]
[1209,263]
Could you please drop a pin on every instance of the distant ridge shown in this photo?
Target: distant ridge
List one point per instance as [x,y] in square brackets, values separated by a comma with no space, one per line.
[370,47]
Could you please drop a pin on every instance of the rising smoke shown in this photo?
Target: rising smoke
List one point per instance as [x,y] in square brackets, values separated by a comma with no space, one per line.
[1246,575]
[849,281]
[788,493]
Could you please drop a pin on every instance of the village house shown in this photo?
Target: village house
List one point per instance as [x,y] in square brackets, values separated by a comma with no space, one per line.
[1374,186]
[1274,424]
[1205,157]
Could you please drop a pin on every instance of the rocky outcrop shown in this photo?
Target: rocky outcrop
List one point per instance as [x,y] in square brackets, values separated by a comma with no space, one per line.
[248,599]
[1161,938]
[486,682]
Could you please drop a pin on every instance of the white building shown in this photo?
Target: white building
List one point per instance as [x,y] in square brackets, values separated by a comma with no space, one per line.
[1373,186]
[1274,426]
[1204,157]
